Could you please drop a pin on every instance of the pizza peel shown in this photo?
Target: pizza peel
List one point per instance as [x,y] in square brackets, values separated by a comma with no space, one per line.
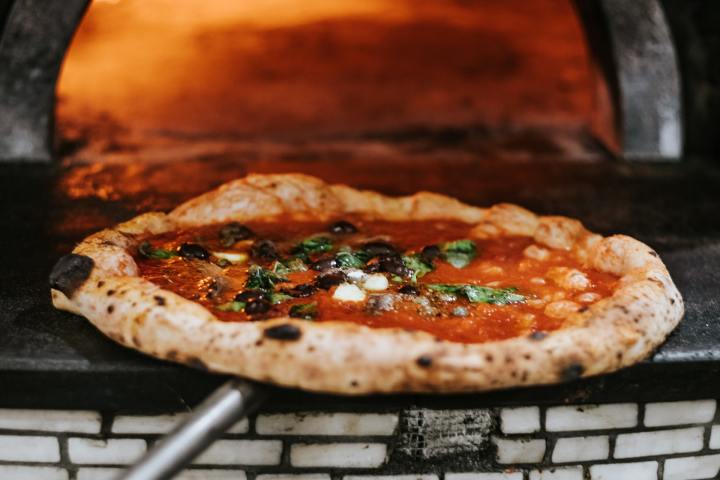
[233,401]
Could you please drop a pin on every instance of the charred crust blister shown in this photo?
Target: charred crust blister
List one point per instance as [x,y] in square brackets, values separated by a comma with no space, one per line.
[424,361]
[159,300]
[537,335]
[283,332]
[70,272]
[572,372]
[195,362]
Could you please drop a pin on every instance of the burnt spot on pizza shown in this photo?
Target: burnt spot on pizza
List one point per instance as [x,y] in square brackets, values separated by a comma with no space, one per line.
[110,292]
[489,358]
[571,372]
[354,383]
[653,253]
[285,331]
[110,308]
[70,272]
[622,308]
[583,309]
[672,301]
[537,336]
[159,300]
[171,355]
[195,362]
[424,361]
[100,284]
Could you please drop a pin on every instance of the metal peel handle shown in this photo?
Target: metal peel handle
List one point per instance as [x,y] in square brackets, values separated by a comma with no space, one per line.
[228,404]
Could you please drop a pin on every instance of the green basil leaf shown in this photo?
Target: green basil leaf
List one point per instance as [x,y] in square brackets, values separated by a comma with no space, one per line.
[312,245]
[223,262]
[260,278]
[480,294]
[419,268]
[147,251]
[276,297]
[459,253]
[306,311]
[350,259]
[291,265]
[231,307]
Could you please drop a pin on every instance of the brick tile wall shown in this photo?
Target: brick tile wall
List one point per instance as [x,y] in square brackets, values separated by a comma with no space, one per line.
[654,441]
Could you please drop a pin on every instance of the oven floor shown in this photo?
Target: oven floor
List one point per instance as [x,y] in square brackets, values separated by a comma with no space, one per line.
[54,359]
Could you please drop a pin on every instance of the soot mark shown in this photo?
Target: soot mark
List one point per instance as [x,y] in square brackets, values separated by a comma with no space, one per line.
[283,332]
[572,372]
[70,272]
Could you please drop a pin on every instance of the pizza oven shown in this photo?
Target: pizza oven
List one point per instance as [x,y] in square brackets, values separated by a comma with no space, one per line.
[602,110]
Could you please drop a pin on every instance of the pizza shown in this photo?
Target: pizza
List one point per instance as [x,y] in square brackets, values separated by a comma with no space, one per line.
[289,280]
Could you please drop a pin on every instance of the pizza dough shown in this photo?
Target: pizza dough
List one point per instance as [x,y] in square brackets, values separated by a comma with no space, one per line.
[100,280]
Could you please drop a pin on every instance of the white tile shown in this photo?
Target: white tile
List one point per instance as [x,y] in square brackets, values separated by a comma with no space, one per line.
[105,452]
[484,476]
[591,417]
[80,421]
[564,473]
[679,413]
[645,444]
[692,468]
[625,471]
[200,474]
[152,424]
[21,448]
[243,426]
[327,424]
[17,472]
[242,452]
[297,476]
[99,473]
[715,436]
[520,420]
[578,449]
[519,451]
[391,477]
[349,455]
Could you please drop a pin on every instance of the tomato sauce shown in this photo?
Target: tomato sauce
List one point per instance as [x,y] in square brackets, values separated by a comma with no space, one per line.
[499,263]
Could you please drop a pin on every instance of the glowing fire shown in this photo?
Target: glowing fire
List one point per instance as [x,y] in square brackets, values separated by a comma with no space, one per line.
[308,68]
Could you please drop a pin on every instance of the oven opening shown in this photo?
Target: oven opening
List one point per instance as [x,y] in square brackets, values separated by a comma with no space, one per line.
[175,80]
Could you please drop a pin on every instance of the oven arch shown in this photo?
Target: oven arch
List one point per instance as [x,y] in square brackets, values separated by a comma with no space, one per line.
[626,41]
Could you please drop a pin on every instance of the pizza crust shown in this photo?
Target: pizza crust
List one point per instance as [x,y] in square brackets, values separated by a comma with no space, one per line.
[347,358]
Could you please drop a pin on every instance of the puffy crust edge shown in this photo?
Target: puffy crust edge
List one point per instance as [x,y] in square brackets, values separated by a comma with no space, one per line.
[352,359]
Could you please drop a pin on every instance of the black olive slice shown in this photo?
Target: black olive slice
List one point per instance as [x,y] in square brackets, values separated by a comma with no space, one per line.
[264,250]
[342,227]
[378,248]
[193,250]
[328,280]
